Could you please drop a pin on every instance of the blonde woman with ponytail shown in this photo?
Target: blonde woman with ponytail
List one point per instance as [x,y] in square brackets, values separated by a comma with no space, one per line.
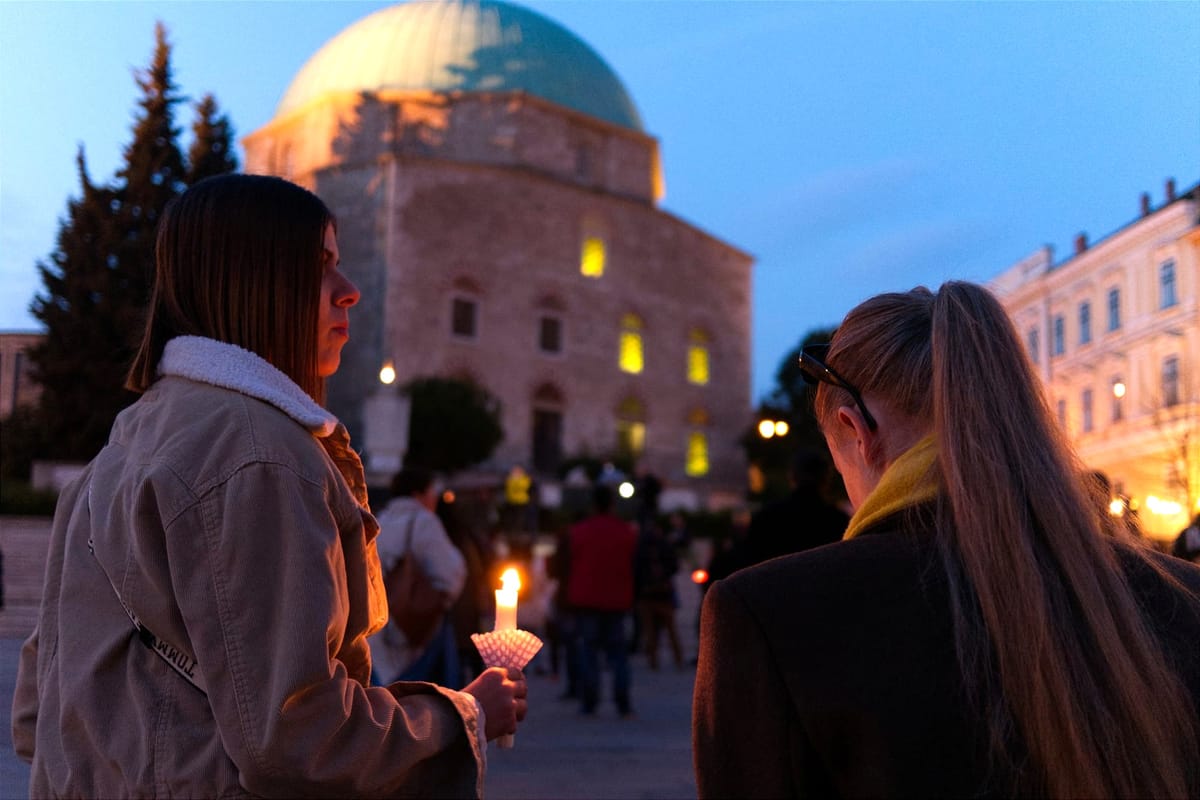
[980,630]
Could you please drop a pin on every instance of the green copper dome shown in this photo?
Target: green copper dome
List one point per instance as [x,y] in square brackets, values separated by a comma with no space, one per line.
[469,46]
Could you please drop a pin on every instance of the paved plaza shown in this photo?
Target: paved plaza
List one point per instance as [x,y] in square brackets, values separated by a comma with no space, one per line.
[558,752]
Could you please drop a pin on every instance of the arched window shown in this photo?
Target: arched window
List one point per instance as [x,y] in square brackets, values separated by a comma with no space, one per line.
[696,458]
[697,357]
[592,257]
[550,311]
[593,249]
[464,309]
[547,428]
[631,428]
[630,354]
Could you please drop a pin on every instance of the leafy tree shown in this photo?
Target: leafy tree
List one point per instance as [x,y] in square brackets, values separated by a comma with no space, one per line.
[97,281]
[454,424]
[211,152]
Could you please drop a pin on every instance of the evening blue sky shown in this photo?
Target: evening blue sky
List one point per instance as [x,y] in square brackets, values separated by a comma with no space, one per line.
[850,148]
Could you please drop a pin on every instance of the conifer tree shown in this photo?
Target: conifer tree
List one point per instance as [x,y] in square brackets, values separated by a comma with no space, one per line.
[81,389]
[211,152]
[98,279]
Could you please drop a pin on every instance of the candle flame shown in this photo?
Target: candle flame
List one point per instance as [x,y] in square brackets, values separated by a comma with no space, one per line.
[511,580]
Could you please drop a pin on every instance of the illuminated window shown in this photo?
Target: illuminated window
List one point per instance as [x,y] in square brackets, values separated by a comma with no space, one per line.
[629,357]
[591,260]
[631,428]
[697,358]
[697,454]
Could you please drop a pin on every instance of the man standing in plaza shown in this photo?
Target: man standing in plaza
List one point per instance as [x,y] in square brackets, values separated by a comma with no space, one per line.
[600,590]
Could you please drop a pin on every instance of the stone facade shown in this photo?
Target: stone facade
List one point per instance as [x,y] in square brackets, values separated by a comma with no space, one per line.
[487,202]
[1114,332]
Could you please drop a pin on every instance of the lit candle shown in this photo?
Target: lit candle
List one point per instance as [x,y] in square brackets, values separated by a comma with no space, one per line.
[506,601]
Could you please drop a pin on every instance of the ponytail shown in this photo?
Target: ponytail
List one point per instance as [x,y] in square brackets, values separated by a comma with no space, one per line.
[1039,599]
[1054,650]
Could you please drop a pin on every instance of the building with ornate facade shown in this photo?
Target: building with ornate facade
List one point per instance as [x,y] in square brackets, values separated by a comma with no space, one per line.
[498,206]
[1114,331]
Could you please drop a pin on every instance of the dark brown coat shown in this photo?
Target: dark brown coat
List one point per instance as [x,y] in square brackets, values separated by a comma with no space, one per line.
[833,673]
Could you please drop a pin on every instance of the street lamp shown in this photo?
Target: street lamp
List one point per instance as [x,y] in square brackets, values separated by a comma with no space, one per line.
[770,428]
[1118,390]
[387,373]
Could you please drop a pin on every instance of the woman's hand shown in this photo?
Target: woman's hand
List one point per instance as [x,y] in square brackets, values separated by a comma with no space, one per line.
[502,694]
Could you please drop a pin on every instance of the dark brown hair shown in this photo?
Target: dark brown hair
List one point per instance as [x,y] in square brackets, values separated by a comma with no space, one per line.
[1053,645]
[239,259]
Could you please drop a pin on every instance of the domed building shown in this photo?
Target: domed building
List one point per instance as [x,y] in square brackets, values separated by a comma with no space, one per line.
[497,201]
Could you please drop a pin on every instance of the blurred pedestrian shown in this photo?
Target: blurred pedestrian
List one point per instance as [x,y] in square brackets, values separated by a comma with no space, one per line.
[212,575]
[657,600]
[803,520]
[409,528]
[977,632]
[1187,543]
[600,591]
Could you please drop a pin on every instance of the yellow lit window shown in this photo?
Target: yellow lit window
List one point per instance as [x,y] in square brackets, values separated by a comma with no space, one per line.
[697,364]
[591,260]
[631,438]
[697,455]
[630,358]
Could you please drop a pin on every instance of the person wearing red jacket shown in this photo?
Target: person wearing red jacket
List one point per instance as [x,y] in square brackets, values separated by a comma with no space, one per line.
[600,590]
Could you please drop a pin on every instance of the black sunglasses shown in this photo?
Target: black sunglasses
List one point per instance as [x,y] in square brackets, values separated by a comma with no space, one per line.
[814,370]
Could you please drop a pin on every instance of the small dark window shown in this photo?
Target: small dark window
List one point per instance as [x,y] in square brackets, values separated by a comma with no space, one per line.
[550,334]
[547,439]
[1060,336]
[462,321]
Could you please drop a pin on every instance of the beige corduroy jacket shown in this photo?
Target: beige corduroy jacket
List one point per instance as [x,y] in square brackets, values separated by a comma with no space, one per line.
[229,513]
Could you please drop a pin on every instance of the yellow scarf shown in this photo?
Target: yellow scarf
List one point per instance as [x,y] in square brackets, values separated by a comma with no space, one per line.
[909,480]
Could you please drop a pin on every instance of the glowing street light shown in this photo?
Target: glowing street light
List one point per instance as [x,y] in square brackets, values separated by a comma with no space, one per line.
[625,489]
[1118,390]
[387,374]
[770,428]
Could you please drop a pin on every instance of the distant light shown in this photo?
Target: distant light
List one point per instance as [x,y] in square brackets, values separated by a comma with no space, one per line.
[1167,508]
[447,497]
[1118,390]
[781,428]
[766,428]
[699,576]
[387,375]
[1117,507]
[625,489]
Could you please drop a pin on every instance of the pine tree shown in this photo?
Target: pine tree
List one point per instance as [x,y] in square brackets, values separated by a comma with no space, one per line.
[153,175]
[97,282]
[81,389]
[211,152]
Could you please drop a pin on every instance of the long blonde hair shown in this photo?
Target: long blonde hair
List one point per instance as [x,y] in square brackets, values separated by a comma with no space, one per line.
[1054,648]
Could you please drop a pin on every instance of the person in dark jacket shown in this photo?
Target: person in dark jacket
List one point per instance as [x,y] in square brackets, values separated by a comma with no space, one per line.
[982,630]
[802,520]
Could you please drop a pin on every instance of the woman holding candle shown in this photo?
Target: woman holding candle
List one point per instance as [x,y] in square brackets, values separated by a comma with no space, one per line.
[212,575]
[978,632]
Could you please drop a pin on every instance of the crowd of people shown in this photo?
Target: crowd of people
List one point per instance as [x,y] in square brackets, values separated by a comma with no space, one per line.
[216,622]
